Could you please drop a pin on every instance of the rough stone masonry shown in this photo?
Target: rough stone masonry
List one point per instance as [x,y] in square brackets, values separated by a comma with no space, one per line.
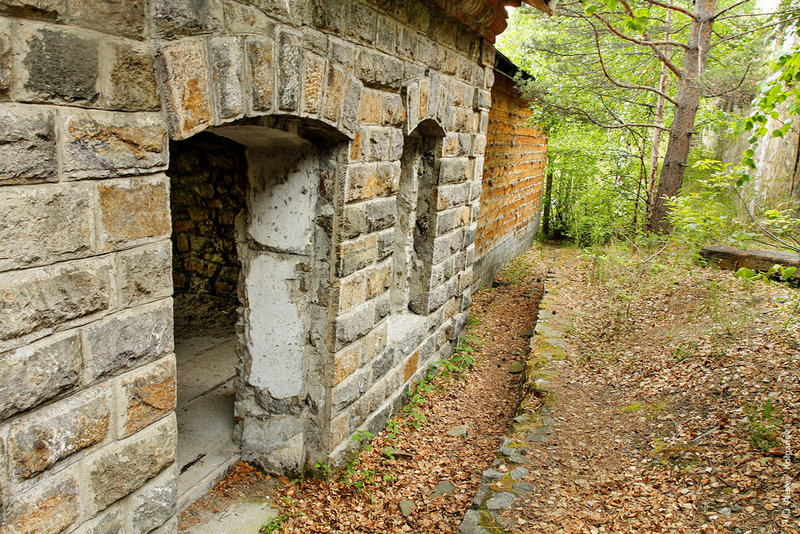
[364,128]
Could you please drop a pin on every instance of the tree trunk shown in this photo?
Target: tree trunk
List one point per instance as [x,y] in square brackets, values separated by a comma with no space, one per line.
[658,120]
[680,134]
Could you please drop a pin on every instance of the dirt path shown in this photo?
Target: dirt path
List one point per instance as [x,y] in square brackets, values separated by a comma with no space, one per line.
[672,414]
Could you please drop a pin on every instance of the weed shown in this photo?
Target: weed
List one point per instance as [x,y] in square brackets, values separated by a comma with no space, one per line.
[323,468]
[763,425]
[363,437]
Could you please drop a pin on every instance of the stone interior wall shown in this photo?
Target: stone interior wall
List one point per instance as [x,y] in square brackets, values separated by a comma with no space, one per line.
[87,371]
[208,183]
[513,182]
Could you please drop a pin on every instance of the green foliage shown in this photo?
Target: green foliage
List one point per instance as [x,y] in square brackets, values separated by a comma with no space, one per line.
[714,210]
[763,425]
[780,88]
[363,437]
[323,468]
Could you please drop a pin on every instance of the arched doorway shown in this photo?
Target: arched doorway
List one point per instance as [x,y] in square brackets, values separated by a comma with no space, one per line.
[251,219]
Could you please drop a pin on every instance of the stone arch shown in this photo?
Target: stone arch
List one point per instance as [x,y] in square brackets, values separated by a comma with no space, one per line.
[424,100]
[210,81]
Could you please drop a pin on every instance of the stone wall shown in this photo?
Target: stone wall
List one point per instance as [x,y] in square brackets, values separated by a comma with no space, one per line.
[208,182]
[90,92]
[513,182]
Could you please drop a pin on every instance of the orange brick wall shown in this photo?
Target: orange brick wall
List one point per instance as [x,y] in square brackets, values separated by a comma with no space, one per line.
[513,182]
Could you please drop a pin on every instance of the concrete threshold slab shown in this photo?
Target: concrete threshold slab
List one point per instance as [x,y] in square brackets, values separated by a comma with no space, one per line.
[206,451]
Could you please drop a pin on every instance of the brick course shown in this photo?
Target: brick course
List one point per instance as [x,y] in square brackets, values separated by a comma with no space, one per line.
[513,182]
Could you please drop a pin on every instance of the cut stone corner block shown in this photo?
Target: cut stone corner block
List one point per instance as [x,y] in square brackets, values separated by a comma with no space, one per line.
[276,444]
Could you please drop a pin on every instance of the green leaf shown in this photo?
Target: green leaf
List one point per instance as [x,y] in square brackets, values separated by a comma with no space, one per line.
[612,4]
[590,9]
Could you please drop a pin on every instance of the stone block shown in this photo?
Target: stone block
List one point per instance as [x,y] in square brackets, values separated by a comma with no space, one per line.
[341,51]
[227,71]
[385,241]
[431,51]
[167,528]
[345,362]
[35,9]
[37,372]
[382,364]
[241,19]
[313,80]
[483,122]
[111,521]
[452,195]
[145,274]
[454,170]
[102,143]
[465,279]
[276,444]
[352,291]
[386,35]
[378,280]
[338,429]
[188,92]
[6,52]
[387,178]
[354,221]
[377,144]
[383,306]
[262,75]
[483,100]
[132,83]
[146,395]
[393,112]
[56,65]
[360,182]
[479,145]
[332,99]
[46,436]
[124,466]
[354,324]
[447,245]
[290,71]
[327,15]
[375,342]
[27,144]
[380,213]
[370,112]
[127,339]
[177,18]
[349,391]
[49,508]
[412,103]
[133,210]
[410,366]
[41,300]
[376,69]
[126,19]
[351,104]
[315,41]
[155,503]
[360,24]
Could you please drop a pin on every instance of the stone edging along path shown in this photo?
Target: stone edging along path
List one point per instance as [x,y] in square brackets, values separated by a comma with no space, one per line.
[503,482]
